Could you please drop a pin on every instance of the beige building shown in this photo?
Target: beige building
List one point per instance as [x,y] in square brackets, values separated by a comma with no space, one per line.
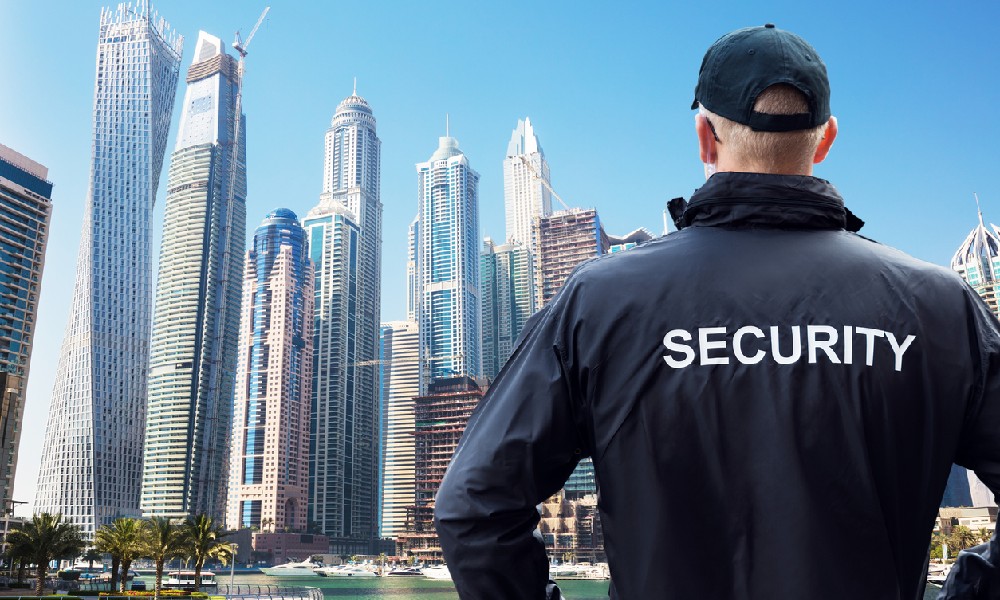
[269,455]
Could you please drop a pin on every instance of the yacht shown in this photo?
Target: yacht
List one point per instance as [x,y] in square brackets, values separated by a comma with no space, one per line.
[437,572]
[579,571]
[178,580]
[405,572]
[345,571]
[305,568]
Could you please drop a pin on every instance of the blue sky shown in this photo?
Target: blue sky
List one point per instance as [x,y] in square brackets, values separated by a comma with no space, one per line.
[608,88]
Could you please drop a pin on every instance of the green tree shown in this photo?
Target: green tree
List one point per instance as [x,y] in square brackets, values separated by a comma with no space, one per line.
[164,541]
[91,555]
[45,538]
[124,540]
[203,539]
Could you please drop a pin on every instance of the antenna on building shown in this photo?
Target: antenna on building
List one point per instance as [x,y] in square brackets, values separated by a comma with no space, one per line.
[447,125]
[355,92]
[666,229]
[978,208]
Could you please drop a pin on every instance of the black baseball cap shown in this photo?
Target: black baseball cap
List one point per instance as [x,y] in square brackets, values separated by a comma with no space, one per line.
[742,64]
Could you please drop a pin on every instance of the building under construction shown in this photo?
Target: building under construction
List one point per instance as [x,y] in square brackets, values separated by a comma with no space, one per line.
[565,239]
[440,418]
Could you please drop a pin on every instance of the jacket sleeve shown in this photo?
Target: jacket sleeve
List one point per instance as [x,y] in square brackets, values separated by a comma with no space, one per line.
[519,447]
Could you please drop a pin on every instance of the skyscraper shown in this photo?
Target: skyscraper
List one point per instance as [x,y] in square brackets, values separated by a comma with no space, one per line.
[566,239]
[507,285]
[525,197]
[448,313]
[91,468]
[345,239]
[401,384]
[25,210]
[269,463]
[440,419]
[196,321]
[977,260]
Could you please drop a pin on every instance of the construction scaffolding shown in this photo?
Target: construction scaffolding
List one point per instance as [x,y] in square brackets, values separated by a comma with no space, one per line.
[440,420]
[565,239]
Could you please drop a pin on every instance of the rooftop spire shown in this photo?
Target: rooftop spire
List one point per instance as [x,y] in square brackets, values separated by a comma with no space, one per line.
[355,92]
[978,208]
[447,126]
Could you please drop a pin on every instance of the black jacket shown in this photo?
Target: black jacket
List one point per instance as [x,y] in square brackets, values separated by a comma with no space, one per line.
[772,404]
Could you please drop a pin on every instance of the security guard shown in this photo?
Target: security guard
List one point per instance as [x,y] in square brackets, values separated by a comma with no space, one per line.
[772,402]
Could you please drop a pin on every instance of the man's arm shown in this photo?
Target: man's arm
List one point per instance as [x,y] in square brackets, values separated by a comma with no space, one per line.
[519,447]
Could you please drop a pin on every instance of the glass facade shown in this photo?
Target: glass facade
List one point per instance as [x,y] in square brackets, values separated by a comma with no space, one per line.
[269,452]
[447,263]
[345,233]
[25,211]
[91,467]
[507,292]
[196,320]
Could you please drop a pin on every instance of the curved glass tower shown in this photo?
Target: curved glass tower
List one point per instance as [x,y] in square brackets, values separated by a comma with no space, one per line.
[91,468]
[447,262]
[196,321]
[345,244]
[268,468]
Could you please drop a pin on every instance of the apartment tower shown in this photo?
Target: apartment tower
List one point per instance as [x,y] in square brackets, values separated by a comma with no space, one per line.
[345,242]
[269,457]
[400,385]
[506,288]
[91,467]
[197,316]
[25,211]
[448,311]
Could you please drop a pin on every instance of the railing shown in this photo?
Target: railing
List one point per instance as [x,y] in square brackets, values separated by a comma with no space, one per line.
[252,591]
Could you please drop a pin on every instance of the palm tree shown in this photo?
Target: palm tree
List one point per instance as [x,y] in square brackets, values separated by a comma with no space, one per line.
[203,540]
[90,556]
[124,541]
[45,538]
[164,541]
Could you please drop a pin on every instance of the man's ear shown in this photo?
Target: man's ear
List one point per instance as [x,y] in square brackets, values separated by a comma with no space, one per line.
[706,139]
[824,144]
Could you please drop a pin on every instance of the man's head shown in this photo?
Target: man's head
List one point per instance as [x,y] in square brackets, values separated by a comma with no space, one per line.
[764,101]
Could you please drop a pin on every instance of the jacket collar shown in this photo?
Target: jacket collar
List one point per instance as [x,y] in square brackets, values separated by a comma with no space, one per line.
[764,201]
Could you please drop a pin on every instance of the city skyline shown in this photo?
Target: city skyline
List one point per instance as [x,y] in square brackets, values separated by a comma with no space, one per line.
[648,56]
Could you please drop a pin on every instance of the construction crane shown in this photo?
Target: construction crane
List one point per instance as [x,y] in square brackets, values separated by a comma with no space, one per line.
[537,175]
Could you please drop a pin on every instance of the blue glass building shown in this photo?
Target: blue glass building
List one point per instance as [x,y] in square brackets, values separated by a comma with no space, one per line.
[25,211]
[447,264]
[269,460]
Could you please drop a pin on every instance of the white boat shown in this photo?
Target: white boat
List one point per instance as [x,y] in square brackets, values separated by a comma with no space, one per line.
[177,580]
[305,568]
[405,572]
[437,572]
[345,571]
[938,573]
[579,571]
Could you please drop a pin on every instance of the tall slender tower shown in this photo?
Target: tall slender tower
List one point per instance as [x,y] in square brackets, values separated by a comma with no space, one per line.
[25,210]
[400,385]
[524,196]
[977,260]
[269,467]
[196,321]
[448,313]
[92,455]
[345,239]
